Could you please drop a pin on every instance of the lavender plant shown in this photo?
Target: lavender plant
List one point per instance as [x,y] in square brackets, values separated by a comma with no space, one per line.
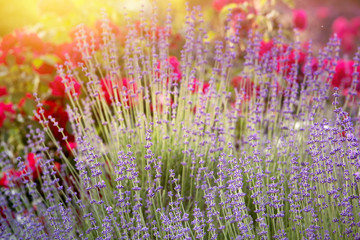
[162,154]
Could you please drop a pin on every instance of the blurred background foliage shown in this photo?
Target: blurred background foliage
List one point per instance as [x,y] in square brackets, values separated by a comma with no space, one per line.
[53,19]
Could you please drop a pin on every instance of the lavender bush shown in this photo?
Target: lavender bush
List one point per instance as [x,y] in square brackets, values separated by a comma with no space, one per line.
[162,154]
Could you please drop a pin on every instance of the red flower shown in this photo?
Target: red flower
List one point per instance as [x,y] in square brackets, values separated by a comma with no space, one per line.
[22,101]
[194,86]
[2,57]
[10,175]
[108,87]
[343,76]
[33,165]
[159,103]
[314,65]
[18,43]
[45,68]
[3,180]
[57,166]
[130,87]
[58,87]
[68,49]
[51,108]
[32,42]
[340,26]
[301,58]
[174,67]
[16,52]
[347,32]
[265,47]
[286,58]
[247,85]
[5,108]
[237,81]
[19,57]
[92,37]
[3,91]
[70,146]
[299,19]
[8,42]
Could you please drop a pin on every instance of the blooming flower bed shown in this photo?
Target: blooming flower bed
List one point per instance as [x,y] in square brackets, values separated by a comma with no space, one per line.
[134,142]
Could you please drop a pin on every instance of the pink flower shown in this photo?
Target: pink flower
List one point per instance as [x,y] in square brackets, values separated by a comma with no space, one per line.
[300,19]
[14,176]
[52,108]
[3,180]
[174,67]
[22,101]
[347,31]
[246,84]
[314,65]
[86,37]
[340,26]
[33,165]
[159,103]
[355,25]
[265,46]
[130,87]
[348,42]
[3,91]
[8,176]
[109,87]
[70,146]
[71,51]
[343,76]
[18,43]
[5,108]
[16,52]
[194,86]
[58,87]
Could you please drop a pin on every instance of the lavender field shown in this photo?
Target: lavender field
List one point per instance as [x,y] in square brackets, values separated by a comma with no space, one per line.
[204,120]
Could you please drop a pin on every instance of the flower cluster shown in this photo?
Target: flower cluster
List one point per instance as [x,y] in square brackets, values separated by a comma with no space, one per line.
[348,31]
[300,19]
